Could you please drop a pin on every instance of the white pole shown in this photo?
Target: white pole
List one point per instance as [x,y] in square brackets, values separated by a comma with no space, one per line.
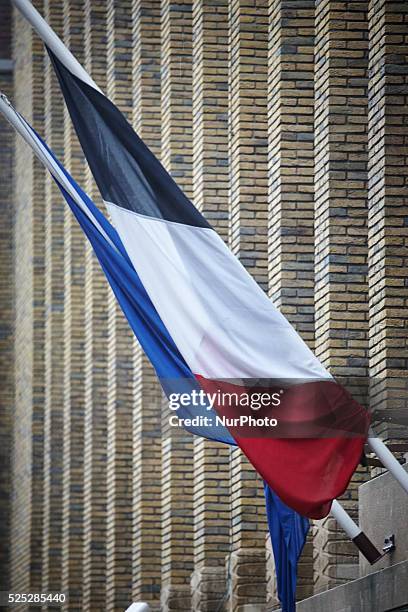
[344,520]
[389,461]
[22,128]
[47,34]
[365,546]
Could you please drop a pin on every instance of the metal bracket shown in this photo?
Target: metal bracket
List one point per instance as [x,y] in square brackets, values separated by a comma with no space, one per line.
[389,544]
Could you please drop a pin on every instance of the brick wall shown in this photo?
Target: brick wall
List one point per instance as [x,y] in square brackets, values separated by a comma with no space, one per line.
[177,447]
[7,397]
[341,309]
[248,204]
[146,551]
[96,360]
[211,503]
[54,326]
[285,121]
[387,207]
[29,321]
[120,392]
[74,345]
[291,239]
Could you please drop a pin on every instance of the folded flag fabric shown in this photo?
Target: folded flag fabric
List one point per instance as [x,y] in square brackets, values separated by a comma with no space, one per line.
[288,537]
[158,345]
[222,323]
[169,364]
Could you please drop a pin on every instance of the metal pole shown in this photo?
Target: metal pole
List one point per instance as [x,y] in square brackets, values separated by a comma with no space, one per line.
[356,535]
[22,128]
[47,34]
[389,461]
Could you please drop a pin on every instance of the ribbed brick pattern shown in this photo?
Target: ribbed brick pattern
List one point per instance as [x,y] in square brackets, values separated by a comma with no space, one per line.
[388,206]
[177,518]
[29,296]
[176,62]
[341,233]
[54,340]
[120,354]
[248,135]
[146,559]
[96,360]
[291,182]
[146,17]
[210,194]
[74,343]
[291,164]
[286,122]
[248,201]
[177,446]
[7,397]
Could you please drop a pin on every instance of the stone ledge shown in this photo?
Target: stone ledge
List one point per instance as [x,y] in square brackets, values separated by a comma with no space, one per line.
[383,509]
[379,592]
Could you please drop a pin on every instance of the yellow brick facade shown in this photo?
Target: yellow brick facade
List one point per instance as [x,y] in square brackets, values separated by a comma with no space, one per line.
[286,123]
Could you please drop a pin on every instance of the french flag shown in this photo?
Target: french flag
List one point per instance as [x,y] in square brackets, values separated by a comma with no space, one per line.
[206,325]
[222,327]
[288,529]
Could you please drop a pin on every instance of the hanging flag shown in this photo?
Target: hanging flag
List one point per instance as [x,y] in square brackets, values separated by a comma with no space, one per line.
[170,366]
[222,323]
[158,345]
[288,537]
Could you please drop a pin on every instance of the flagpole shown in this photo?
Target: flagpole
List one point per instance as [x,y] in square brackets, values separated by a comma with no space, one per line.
[389,461]
[50,38]
[64,55]
[22,128]
[356,535]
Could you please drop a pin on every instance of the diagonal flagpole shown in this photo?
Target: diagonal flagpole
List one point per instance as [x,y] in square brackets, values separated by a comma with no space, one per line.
[23,129]
[51,39]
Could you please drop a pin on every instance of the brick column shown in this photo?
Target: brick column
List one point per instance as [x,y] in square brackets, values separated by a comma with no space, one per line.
[54,331]
[74,343]
[248,35]
[210,188]
[341,235]
[146,17]
[388,207]
[7,391]
[96,360]
[291,163]
[29,301]
[146,557]
[177,446]
[120,354]
[211,524]
[291,181]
